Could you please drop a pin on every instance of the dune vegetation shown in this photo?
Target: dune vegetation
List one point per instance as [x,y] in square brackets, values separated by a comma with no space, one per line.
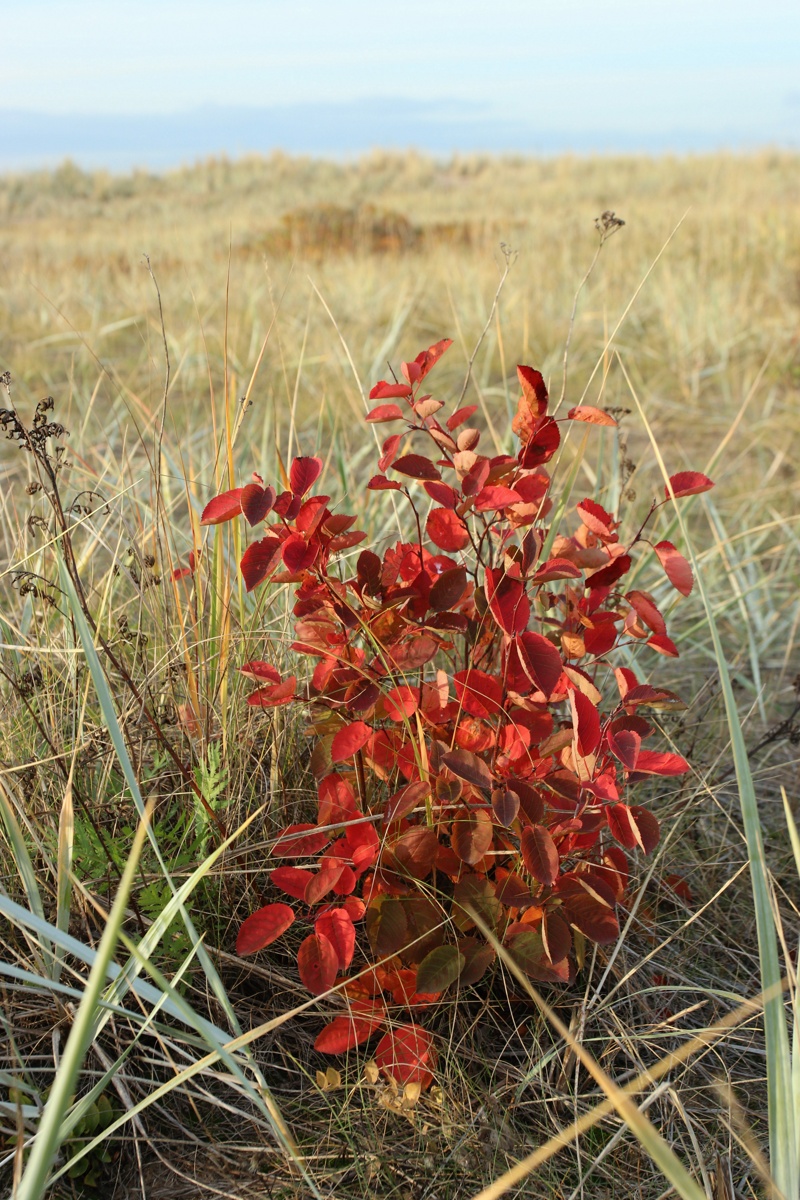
[199,326]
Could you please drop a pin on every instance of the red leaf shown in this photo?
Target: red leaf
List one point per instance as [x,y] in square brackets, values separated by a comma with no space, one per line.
[410,655]
[324,881]
[505,805]
[318,964]
[379,483]
[654,762]
[532,404]
[688,483]
[362,842]
[586,721]
[406,800]
[507,600]
[258,669]
[589,904]
[626,744]
[514,891]
[336,523]
[311,515]
[274,695]
[442,493]
[288,505]
[263,927]
[648,827]
[298,554]
[337,926]
[259,560]
[300,841]
[354,908]
[540,661]
[594,416]
[471,834]
[595,517]
[479,694]
[390,448]
[610,574]
[539,854]
[557,568]
[344,541]
[426,360]
[346,882]
[386,412]
[556,937]
[664,645]
[622,825]
[533,387]
[349,740]
[417,466]
[448,589]
[542,445]
[257,502]
[460,416]
[406,1055]
[414,852]
[222,508]
[343,1033]
[496,496]
[677,569]
[446,530]
[401,702]
[646,609]
[389,391]
[303,474]
[292,880]
[468,766]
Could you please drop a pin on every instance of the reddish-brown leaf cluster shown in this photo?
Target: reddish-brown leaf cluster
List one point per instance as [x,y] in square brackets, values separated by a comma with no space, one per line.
[475,746]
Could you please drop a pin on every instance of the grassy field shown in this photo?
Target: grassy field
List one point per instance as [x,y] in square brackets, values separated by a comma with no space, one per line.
[286,287]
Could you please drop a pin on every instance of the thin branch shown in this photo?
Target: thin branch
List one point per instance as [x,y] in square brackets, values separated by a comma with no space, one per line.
[510,257]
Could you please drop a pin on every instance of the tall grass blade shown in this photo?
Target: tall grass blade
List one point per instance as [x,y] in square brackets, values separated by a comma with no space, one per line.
[47,1140]
[27,874]
[66,835]
[782,1115]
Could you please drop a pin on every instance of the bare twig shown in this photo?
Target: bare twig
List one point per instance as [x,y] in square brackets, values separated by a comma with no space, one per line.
[606,225]
[510,257]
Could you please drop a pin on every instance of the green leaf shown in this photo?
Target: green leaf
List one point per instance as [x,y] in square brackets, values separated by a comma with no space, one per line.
[439,969]
[387,927]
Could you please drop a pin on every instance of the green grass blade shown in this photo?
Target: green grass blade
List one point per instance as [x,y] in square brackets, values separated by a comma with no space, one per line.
[66,837]
[24,865]
[47,1140]
[108,710]
[794,838]
[557,516]
[783,1116]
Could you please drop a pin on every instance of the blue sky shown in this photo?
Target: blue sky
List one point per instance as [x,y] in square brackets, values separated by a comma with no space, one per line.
[701,70]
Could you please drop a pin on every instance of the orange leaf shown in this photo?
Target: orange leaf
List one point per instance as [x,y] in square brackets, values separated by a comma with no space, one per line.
[590,414]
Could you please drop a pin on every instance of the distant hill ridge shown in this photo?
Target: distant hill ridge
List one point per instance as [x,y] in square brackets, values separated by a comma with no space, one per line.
[119,142]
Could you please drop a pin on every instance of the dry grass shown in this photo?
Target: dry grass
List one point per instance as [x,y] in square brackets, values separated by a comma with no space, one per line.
[232,247]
